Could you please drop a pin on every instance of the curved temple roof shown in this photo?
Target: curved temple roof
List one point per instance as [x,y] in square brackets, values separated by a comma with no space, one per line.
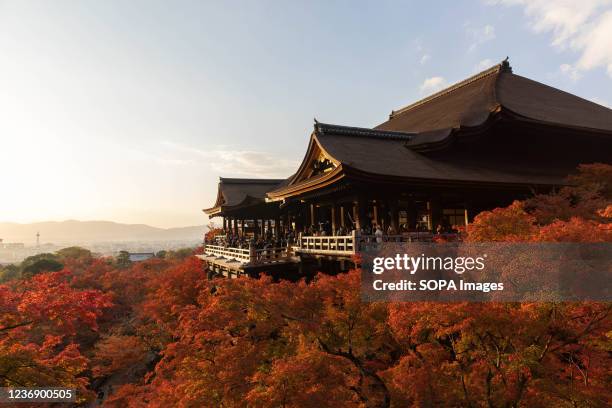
[393,149]
[236,192]
[471,102]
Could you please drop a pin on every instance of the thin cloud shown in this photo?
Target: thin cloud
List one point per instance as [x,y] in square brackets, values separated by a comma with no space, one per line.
[433,84]
[483,64]
[422,53]
[570,71]
[480,35]
[581,26]
[232,162]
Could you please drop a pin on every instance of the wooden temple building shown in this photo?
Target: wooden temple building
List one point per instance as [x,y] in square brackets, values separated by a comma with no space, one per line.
[434,164]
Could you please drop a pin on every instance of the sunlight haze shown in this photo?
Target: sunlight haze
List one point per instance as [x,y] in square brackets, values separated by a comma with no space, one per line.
[130,111]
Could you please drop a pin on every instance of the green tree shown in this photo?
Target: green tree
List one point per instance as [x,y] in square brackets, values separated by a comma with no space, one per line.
[9,272]
[179,254]
[74,252]
[123,259]
[33,265]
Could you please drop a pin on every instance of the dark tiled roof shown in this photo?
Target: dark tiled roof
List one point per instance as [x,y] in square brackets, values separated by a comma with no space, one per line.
[391,157]
[235,191]
[470,102]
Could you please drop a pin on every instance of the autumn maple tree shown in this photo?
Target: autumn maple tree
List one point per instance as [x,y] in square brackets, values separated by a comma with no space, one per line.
[158,333]
[39,318]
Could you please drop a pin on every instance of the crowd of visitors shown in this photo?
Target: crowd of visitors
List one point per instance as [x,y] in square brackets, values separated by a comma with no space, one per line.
[268,240]
[370,232]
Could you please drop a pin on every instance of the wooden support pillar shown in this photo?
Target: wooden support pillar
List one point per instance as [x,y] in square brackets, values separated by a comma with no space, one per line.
[224,224]
[411,215]
[468,212]
[277,228]
[333,219]
[299,220]
[394,217]
[435,214]
[242,226]
[359,213]
[263,228]
[342,220]
[269,226]
[375,212]
[313,218]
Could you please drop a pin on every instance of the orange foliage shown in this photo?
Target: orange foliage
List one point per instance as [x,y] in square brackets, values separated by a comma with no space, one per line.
[39,319]
[508,224]
[170,337]
[114,353]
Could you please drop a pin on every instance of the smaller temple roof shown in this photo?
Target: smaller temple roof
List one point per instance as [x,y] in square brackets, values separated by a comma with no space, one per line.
[236,192]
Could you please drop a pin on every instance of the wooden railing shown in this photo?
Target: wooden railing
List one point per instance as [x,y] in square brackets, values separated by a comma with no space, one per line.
[350,244]
[330,245]
[238,254]
[248,255]
[344,245]
[270,255]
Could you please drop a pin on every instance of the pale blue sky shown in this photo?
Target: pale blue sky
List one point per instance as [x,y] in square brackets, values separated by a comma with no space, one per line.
[130,110]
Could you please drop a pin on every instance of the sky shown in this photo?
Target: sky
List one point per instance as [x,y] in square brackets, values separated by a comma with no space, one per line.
[130,111]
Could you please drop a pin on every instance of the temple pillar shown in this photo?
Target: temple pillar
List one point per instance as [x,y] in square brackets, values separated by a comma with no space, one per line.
[299,221]
[359,213]
[342,220]
[333,219]
[224,224]
[313,219]
[375,212]
[411,215]
[394,217]
[468,212]
[435,214]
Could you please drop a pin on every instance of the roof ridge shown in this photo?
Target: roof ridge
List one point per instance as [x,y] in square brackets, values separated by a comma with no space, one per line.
[248,180]
[322,128]
[503,66]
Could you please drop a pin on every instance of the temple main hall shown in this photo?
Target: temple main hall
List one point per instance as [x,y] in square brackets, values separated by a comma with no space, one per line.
[423,173]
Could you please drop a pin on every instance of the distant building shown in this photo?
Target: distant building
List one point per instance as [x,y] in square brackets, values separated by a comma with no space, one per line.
[141,256]
[11,245]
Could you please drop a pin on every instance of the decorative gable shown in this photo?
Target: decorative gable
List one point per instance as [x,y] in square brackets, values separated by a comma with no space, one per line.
[316,163]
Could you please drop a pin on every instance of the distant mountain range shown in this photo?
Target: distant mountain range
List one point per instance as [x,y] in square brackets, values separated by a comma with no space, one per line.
[73,231]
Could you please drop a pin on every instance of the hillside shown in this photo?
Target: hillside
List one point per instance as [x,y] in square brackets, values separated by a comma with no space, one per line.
[94,231]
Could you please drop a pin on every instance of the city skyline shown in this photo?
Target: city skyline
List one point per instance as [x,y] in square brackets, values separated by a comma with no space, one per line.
[131,112]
